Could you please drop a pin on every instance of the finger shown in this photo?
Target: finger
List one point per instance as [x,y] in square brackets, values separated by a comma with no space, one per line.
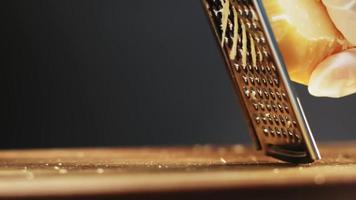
[335,76]
[305,34]
[343,14]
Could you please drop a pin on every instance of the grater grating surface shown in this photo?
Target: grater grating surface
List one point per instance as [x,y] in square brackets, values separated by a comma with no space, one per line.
[276,119]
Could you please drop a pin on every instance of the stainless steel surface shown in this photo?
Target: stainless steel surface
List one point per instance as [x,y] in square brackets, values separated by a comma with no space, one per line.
[276,119]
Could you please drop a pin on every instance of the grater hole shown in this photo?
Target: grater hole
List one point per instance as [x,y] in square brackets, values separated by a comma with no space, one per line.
[257,119]
[255,105]
[284,133]
[276,119]
[265,131]
[290,134]
[253,94]
[246,11]
[278,132]
[264,119]
[298,139]
[272,132]
[246,92]
[278,94]
[280,107]
[239,10]
[284,96]
[245,79]
[260,93]
[282,120]
[274,106]
[268,107]
[266,94]
[286,108]
[273,96]
[262,106]
[237,67]
[258,80]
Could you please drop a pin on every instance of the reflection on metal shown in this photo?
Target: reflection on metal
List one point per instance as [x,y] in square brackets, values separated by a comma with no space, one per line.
[259,76]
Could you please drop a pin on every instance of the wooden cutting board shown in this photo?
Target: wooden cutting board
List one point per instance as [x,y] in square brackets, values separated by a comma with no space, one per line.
[201,171]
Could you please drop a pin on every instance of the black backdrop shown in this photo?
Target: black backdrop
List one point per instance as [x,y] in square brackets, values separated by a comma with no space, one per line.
[118,73]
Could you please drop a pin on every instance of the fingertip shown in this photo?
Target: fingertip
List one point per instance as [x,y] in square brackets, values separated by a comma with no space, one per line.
[335,77]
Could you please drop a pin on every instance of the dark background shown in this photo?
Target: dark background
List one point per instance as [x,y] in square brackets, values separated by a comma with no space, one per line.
[118,73]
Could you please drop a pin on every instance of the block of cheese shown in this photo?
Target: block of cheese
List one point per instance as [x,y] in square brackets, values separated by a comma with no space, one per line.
[305,34]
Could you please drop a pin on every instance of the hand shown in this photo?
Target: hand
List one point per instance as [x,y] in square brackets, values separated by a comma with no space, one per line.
[318,44]
[336,75]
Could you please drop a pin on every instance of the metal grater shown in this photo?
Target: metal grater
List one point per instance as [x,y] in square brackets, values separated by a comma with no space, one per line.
[276,119]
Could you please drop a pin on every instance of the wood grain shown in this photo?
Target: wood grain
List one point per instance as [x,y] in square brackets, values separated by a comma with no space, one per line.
[208,172]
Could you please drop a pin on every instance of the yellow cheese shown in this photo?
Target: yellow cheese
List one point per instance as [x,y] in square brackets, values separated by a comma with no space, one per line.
[305,34]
